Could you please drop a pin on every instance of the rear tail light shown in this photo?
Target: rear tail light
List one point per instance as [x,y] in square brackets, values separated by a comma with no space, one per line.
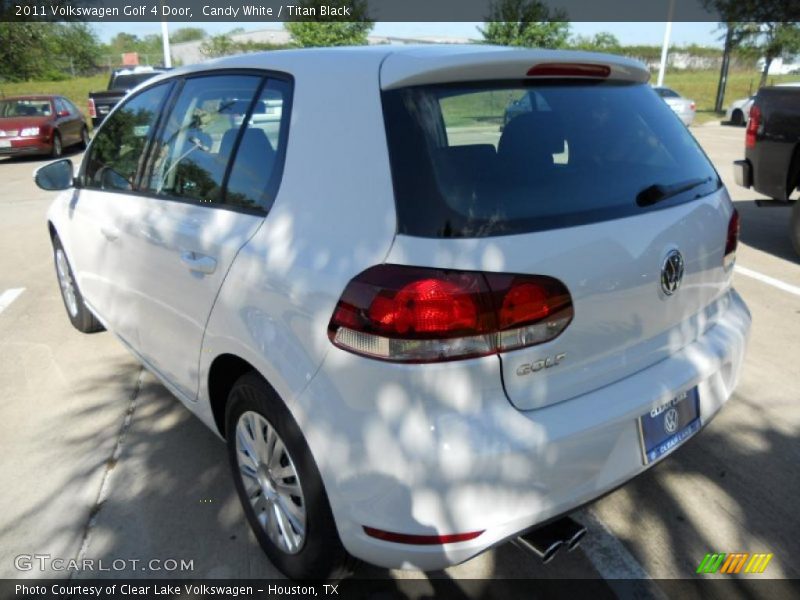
[752,127]
[92,109]
[692,106]
[414,314]
[569,70]
[732,240]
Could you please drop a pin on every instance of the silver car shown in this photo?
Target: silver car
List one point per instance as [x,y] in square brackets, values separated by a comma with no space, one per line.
[683,107]
[739,111]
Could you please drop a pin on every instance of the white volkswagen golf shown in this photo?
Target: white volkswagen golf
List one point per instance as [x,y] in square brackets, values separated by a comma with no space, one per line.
[422,330]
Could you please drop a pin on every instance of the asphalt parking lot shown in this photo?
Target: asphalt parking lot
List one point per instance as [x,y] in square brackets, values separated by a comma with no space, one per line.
[101,462]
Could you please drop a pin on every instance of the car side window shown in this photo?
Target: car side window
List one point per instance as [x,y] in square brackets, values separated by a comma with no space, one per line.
[257,165]
[60,106]
[118,150]
[196,145]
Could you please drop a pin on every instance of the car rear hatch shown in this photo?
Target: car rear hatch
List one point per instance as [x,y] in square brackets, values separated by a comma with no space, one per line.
[564,165]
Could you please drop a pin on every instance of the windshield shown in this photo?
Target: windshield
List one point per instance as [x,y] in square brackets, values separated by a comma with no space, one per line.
[25,108]
[478,160]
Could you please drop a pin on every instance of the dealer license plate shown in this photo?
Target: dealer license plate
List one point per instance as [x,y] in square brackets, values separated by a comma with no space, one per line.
[667,426]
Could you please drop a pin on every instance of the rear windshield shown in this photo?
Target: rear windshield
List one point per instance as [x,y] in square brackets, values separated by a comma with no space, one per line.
[477,160]
[25,108]
[666,93]
[130,81]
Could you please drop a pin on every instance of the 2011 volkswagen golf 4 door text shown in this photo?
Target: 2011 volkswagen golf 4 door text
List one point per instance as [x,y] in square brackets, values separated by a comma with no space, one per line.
[423,330]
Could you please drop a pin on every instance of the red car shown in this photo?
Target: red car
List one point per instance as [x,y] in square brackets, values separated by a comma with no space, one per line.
[40,125]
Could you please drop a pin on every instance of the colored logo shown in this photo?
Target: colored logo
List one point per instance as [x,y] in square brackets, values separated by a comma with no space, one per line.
[734,563]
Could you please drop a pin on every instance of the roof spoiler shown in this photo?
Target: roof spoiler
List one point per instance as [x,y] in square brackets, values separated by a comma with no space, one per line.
[486,63]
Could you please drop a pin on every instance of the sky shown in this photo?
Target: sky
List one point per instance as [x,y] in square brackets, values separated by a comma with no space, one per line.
[705,34]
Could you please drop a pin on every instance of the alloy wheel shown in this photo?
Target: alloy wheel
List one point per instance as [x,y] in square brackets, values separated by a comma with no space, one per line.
[66,283]
[271,482]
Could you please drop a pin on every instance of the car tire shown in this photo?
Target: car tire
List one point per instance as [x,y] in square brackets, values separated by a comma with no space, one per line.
[737,118]
[57,149]
[284,482]
[81,317]
[85,139]
[794,227]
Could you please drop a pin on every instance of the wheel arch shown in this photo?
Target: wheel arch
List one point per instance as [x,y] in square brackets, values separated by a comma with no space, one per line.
[223,373]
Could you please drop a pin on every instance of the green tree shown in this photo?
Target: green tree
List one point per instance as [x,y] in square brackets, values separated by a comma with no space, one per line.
[123,42]
[527,23]
[765,27]
[218,45]
[602,41]
[149,47]
[23,52]
[40,51]
[77,44]
[187,34]
[771,40]
[351,30]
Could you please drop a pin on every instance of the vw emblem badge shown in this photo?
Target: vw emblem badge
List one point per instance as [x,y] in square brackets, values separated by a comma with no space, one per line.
[671,420]
[672,272]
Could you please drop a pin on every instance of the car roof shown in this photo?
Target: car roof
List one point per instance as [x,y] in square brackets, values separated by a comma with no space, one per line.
[419,64]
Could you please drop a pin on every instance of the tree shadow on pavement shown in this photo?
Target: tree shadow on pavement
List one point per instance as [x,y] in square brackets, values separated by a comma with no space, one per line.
[746,469]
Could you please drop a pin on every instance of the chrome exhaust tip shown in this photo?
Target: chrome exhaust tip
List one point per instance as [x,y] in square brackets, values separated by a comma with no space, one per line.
[546,541]
[543,551]
[576,538]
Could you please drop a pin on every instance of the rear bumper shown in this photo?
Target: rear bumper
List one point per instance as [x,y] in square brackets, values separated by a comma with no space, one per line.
[433,449]
[743,173]
[26,145]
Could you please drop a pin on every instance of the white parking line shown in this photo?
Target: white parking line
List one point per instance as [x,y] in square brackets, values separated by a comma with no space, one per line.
[613,562]
[608,555]
[7,297]
[781,285]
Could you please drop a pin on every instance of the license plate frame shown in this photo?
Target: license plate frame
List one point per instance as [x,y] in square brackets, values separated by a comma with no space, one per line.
[5,143]
[669,425]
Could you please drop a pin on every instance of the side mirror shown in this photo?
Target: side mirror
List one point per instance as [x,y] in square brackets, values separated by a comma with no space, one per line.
[55,176]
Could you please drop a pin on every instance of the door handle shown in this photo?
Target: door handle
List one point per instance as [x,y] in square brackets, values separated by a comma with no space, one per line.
[199,262]
[110,232]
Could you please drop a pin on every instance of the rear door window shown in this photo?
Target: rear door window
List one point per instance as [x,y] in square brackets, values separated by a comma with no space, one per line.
[256,169]
[478,160]
[198,141]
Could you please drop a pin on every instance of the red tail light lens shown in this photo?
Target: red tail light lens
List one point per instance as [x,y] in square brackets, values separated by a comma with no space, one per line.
[692,106]
[752,127]
[413,314]
[92,109]
[732,240]
[427,306]
[569,70]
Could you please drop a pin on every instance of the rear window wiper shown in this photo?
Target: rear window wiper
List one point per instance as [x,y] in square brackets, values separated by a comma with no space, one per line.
[657,192]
